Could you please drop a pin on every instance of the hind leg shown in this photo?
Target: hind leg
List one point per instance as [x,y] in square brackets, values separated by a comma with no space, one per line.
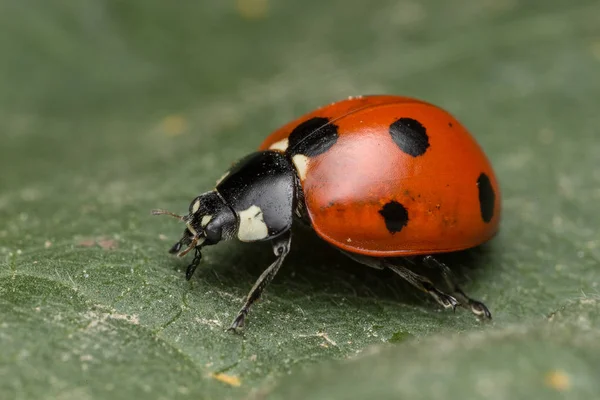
[418,281]
[477,307]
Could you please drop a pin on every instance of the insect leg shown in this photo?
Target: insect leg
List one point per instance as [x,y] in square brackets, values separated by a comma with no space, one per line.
[281,247]
[424,284]
[194,264]
[477,307]
[420,282]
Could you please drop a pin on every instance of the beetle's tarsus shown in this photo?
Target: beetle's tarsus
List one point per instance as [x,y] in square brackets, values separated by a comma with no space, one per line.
[476,307]
[480,309]
[446,300]
[239,322]
[194,264]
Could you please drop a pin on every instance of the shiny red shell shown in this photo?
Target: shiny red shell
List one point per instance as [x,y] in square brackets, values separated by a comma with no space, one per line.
[368,195]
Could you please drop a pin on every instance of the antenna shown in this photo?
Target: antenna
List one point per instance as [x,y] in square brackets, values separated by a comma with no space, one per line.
[165,212]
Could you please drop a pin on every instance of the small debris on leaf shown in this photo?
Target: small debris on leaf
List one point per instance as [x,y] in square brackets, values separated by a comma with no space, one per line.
[558,380]
[174,125]
[228,379]
[108,244]
[252,9]
[103,242]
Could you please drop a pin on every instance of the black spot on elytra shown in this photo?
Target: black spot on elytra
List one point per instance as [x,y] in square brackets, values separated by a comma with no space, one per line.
[487,197]
[410,135]
[395,216]
[312,137]
[450,124]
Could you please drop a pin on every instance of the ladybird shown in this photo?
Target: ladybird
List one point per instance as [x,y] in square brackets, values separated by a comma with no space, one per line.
[390,181]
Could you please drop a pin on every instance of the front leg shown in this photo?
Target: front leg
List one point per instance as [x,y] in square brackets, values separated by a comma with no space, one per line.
[281,248]
[193,265]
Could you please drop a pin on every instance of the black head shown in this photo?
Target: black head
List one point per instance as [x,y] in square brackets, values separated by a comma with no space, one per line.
[209,221]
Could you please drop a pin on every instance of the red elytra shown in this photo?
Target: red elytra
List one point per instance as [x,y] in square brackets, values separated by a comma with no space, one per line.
[446,189]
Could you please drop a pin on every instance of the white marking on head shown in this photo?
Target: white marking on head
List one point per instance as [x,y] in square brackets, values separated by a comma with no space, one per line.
[252,225]
[301,163]
[225,175]
[205,220]
[281,145]
[196,206]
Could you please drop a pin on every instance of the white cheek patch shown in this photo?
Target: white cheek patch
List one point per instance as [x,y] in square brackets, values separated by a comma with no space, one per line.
[281,145]
[225,175]
[252,225]
[301,163]
[205,220]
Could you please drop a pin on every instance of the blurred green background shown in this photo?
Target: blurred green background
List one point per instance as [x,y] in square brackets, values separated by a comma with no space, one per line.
[111,108]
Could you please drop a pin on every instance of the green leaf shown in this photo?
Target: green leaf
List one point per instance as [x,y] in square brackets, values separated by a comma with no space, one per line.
[109,109]
[552,359]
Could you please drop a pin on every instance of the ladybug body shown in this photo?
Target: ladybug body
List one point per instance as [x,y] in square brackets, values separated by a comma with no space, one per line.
[379,177]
